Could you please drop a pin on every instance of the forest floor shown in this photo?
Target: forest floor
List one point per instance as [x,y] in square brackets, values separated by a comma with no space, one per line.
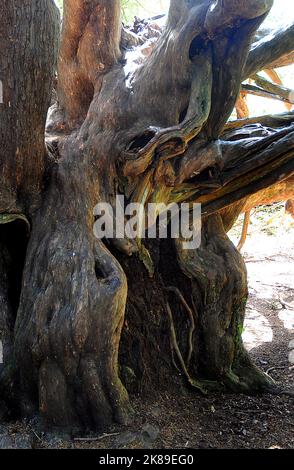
[218,420]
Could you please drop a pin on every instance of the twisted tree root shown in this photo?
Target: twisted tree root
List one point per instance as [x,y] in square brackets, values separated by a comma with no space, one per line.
[174,343]
[202,385]
[192,321]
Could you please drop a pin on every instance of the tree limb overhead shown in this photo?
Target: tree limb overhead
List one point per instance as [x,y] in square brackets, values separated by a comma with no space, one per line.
[269,50]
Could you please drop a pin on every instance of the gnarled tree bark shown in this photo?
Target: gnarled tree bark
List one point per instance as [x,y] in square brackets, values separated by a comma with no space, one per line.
[89,315]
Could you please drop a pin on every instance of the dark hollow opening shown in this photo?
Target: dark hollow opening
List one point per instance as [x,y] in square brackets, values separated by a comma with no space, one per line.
[98,271]
[183,114]
[142,140]
[13,246]
[197,45]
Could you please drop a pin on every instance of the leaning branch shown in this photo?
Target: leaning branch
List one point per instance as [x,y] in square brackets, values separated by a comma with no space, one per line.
[252,167]
[284,61]
[286,94]
[247,160]
[269,120]
[276,92]
[269,49]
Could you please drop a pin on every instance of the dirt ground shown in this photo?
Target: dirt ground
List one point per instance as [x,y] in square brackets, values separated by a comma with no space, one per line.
[218,421]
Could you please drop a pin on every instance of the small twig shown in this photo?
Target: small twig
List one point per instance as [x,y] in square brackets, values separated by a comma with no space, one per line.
[285,305]
[93,439]
[251,412]
[34,432]
[256,260]
[275,368]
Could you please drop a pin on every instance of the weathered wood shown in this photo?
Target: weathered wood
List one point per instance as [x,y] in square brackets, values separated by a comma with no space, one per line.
[284,61]
[286,94]
[274,76]
[277,193]
[269,50]
[242,108]
[154,129]
[269,120]
[269,90]
[289,207]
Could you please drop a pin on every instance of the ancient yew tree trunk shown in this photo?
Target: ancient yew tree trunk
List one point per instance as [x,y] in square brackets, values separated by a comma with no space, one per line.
[85,321]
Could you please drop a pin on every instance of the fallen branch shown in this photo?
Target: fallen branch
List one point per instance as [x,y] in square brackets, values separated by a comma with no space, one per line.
[93,439]
[277,89]
[285,305]
[257,91]
[270,120]
[34,432]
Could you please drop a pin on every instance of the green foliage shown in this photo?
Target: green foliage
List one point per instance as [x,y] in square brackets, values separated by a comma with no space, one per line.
[143,8]
[59,3]
[131,8]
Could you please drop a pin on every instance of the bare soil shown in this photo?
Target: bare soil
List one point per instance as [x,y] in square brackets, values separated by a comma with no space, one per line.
[219,420]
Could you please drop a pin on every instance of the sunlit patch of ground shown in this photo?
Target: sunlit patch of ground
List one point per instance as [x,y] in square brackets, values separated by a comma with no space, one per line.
[269,256]
[257,330]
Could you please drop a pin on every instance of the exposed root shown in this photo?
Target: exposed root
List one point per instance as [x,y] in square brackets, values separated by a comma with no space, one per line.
[195,383]
[244,230]
[192,321]
[245,377]
[275,368]
[173,357]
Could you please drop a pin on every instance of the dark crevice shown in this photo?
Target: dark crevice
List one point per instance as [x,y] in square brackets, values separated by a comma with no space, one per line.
[142,140]
[98,271]
[14,240]
[196,47]
[183,114]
